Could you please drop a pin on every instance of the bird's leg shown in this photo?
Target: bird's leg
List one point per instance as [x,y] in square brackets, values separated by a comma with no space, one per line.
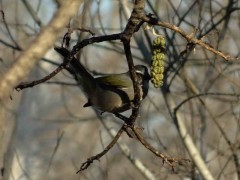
[124,118]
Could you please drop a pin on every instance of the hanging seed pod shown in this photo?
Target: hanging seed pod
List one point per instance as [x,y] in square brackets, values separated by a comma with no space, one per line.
[158,57]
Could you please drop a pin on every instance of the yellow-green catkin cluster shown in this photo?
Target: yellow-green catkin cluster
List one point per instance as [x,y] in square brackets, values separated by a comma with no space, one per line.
[157,65]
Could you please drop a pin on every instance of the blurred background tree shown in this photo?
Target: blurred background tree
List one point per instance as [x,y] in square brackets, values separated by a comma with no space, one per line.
[47,134]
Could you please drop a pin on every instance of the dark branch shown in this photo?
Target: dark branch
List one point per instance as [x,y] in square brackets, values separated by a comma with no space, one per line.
[90,160]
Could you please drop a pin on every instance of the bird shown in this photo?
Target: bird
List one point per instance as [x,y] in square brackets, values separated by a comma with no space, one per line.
[112,93]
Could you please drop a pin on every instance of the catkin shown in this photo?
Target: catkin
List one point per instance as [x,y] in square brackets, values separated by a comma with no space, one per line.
[157,65]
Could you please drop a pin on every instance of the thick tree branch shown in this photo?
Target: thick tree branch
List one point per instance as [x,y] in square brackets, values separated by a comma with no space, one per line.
[132,26]
[27,60]
[38,47]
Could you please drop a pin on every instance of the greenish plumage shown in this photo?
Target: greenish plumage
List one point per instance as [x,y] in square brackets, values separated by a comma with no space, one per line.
[111,93]
[115,80]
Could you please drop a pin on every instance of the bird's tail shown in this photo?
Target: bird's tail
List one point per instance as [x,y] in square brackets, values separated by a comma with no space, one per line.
[82,76]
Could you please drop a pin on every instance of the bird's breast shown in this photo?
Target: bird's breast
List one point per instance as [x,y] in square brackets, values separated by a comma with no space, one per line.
[112,99]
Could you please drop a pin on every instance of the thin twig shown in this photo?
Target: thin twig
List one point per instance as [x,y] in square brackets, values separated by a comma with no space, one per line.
[9,32]
[90,160]
[143,169]
[189,37]
[22,86]
[32,13]
[60,135]
[171,161]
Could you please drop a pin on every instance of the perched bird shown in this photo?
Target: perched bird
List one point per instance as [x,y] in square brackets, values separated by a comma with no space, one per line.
[110,93]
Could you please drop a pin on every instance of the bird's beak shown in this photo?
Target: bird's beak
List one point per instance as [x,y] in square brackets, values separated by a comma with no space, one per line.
[148,77]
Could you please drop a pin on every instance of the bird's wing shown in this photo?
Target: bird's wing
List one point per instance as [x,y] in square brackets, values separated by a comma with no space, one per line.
[115,80]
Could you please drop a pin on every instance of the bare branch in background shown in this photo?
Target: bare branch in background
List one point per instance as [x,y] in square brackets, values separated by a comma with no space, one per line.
[39,46]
